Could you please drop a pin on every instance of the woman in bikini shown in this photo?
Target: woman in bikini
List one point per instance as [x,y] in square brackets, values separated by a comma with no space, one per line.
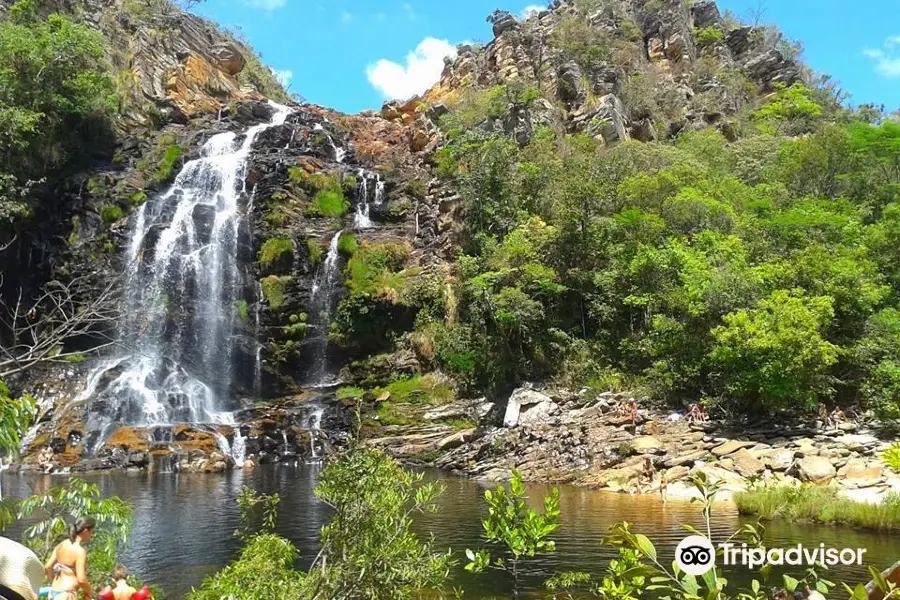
[67,566]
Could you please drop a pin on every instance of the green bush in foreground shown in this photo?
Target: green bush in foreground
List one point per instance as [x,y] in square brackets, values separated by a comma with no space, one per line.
[819,504]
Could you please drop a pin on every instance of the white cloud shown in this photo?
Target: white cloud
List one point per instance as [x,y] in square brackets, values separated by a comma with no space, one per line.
[266,4]
[409,11]
[887,58]
[346,17]
[422,70]
[532,9]
[284,77]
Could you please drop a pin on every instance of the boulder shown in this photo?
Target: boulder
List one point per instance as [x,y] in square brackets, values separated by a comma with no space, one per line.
[738,40]
[609,120]
[780,460]
[229,58]
[746,464]
[646,444]
[505,23]
[570,83]
[706,14]
[730,447]
[813,469]
[522,400]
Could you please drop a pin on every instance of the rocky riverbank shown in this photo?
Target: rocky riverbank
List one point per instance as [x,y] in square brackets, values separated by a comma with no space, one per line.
[564,437]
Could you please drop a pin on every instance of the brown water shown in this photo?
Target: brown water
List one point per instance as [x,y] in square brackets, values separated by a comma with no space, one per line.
[184,523]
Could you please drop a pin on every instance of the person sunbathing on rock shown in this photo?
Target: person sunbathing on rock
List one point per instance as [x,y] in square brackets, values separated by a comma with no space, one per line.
[67,565]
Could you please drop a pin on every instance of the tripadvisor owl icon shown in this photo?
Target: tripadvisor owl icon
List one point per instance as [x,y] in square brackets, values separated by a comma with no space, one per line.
[695,555]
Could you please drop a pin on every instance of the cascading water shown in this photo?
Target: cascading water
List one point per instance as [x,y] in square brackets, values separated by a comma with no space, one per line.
[239,447]
[315,426]
[339,153]
[183,282]
[324,293]
[361,218]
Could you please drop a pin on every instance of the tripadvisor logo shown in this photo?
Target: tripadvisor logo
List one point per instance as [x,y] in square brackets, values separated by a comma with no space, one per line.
[696,555]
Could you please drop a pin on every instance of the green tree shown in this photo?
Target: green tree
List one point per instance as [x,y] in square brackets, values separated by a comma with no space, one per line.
[774,354]
[520,532]
[54,95]
[368,549]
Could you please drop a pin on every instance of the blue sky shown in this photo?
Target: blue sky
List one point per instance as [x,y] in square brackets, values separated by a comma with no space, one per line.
[353,54]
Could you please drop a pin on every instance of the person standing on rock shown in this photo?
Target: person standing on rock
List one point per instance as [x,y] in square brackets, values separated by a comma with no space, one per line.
[67,565]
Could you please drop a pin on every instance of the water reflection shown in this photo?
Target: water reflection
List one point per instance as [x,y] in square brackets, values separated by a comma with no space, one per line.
[184,525]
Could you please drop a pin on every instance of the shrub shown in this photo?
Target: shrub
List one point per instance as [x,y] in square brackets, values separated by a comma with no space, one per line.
[347,244]
[891,457]
[165,170]
[272,251]
[707,36]
[416,188]
[110,213]
[330,202]
[273,288]
[242,309]
[316,252]
[369,550]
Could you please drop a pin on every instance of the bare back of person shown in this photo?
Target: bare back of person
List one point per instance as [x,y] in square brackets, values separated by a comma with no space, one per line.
[123,591]
[67,559]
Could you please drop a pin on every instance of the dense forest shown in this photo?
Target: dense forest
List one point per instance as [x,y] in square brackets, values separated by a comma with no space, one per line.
[750,265]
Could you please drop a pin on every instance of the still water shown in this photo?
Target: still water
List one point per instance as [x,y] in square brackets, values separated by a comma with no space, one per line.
[184,524]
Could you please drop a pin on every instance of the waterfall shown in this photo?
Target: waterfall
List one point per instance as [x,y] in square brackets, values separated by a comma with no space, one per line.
[339,153]
[257,359]
[315,425]
[239,448]
[237,451]
[324,295]
[183,280]
[361,218]
[379,191]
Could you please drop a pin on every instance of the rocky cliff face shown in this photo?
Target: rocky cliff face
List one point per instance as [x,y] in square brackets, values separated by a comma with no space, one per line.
[666,68]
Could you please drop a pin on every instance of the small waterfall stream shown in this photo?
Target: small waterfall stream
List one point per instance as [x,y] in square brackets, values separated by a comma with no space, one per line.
[325,288]
[315,427]
[183,282]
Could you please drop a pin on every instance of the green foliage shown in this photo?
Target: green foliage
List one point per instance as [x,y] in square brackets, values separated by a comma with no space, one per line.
[791,111]
[775,353]
[274,290]
[50,514]
[273,250]
[263,570]
[258,514]
[369,550]
[346,393]
[623,579]
[416,188]
[520,532]
[165,170]
[819,504]
[707,36]
[316,252]
[420,389]
[373,269]
[330,202]
[891,457]
[110,213]
[16,416]
[581,42]
[242,309]
[347,244]
[54,100]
